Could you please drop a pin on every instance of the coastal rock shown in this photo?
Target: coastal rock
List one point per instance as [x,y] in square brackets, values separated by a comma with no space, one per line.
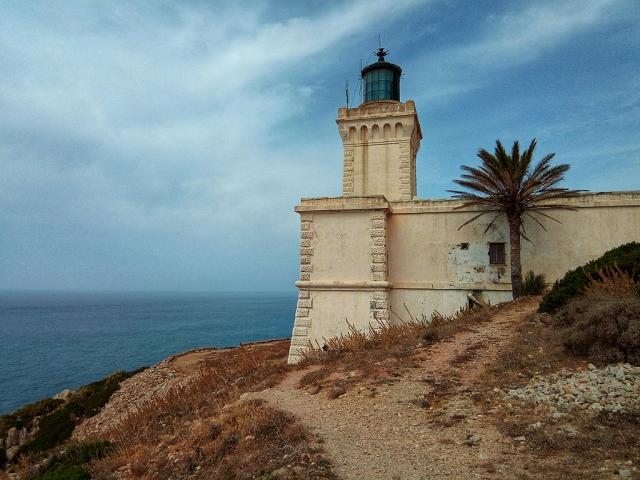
[64,395]
[134,392]
[23,437]
[13,438]
[11,453]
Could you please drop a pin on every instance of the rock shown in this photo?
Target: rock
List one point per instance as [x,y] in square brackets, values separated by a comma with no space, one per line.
[570,430]
[472,439]
[13,438]
[11,453]
[64,395]
[624,472]
[535,426]
[591,366]
[458,415]
[520,439]
[314,390]
[558,415]
[248,438]
[337,391]
[23,437]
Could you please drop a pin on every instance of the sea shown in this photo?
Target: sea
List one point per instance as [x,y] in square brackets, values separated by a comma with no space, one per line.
[50,341]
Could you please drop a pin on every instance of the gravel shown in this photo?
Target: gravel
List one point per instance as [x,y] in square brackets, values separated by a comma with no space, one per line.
[614,388]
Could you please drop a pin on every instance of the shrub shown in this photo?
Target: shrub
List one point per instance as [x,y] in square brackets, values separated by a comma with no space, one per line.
[533,284]
[25,415]
[56,427]
[612,281]
[604,328]
[626,257]
[64,472]
[69,464]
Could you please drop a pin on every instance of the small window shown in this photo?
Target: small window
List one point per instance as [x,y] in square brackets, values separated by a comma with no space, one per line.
[496,253]
[464,246]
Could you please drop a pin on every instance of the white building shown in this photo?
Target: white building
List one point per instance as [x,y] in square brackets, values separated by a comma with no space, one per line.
[378,251]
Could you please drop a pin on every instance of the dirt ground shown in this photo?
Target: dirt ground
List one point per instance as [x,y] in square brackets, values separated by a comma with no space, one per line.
[382,430]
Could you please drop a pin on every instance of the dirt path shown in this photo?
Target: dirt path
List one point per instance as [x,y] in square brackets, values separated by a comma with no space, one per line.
[383,432]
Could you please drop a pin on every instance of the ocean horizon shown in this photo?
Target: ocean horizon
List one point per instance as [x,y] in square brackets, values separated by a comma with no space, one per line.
[52,340]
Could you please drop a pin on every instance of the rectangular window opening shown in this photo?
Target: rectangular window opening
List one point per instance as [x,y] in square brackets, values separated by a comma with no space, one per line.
[496,254]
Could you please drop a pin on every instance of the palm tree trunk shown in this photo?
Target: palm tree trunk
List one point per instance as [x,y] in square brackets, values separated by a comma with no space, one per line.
[514,249]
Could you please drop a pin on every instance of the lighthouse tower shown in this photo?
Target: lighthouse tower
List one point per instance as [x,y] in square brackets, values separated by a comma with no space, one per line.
[381,137]
[344,246]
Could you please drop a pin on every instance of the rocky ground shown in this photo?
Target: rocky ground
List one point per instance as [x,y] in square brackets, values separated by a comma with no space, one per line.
[135,391]
[614,388]
[154,382]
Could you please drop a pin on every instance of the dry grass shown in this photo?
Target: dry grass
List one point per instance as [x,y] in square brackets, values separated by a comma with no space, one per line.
[536,349]
[201,430]
[244,440]
[612,282]
[385,349]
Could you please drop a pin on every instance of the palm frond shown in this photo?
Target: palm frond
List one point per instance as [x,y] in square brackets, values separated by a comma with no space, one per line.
[475,218]
[507,181]
[538,221]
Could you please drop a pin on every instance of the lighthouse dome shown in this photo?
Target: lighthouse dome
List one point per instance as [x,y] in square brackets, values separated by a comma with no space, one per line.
[381,80]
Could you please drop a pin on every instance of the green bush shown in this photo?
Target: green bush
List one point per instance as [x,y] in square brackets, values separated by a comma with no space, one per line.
[533,284]
[69,464]
[64,472]
[54,429]
[605,329]
[626,257]
[58,426]
[24,415]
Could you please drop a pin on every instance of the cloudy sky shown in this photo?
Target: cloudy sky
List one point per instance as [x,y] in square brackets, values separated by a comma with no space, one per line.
[163,145]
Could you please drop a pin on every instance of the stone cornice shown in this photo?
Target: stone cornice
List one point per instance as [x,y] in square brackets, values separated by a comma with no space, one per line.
[379,202]
[343,285]
[581,200]
[373,202]
[378,109]
[399,285]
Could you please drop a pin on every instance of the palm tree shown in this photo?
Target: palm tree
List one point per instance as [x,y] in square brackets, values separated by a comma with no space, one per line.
[506,184]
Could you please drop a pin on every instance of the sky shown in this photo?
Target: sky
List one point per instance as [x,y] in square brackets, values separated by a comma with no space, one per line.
[162,145]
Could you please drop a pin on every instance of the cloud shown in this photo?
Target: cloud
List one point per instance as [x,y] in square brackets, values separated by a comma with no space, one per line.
[509,39]
[163,121]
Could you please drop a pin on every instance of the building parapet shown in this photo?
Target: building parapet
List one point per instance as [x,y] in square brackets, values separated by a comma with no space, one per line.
[581,200]
[373,285]
[379,202]
[370,202]
[380,108]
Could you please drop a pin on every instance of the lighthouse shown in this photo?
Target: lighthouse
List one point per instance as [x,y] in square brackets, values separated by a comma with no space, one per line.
[381,137]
